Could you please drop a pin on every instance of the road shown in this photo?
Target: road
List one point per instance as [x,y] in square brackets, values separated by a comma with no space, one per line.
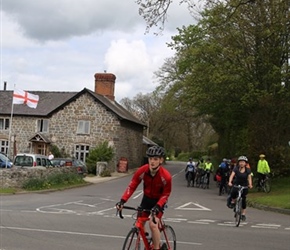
[84,218]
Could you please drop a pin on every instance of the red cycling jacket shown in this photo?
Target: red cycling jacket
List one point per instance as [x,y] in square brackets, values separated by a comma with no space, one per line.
[154,187]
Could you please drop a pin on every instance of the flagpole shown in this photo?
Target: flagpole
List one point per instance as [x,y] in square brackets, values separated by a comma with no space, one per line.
[10,127]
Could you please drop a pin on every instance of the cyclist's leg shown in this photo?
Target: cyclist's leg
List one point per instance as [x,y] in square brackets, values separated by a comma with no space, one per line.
[222,185]
[193,178]
[260,179]
[189,178]
[208,176]
[232,197]
[244,203]
[155,230]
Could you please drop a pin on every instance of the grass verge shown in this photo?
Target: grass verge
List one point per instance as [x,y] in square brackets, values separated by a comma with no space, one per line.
[279,196]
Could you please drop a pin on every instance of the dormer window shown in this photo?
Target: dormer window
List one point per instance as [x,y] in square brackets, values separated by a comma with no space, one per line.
[83,127]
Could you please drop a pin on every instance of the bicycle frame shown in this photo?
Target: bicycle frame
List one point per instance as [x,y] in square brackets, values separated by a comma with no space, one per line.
[139,230]
[238,204]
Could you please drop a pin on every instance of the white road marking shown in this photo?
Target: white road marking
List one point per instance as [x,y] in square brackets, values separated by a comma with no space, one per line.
[84,234]
[60,209]
[267,226]
[196,207]
[205,220]
[174,219]
[198,222]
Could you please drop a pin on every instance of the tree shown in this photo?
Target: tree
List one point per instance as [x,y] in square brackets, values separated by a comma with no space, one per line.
[235,63]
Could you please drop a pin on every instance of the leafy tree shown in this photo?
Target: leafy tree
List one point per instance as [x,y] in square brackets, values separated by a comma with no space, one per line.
[235,69]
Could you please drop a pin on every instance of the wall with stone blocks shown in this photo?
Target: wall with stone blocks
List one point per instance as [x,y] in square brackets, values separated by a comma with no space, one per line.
[14,178]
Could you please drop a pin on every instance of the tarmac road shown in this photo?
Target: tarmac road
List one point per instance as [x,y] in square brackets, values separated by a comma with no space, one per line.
[85,218]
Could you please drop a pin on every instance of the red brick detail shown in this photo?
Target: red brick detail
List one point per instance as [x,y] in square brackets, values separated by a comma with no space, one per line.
[105,84]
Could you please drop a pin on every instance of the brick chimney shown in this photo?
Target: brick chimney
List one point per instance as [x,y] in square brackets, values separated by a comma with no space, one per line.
[105,84]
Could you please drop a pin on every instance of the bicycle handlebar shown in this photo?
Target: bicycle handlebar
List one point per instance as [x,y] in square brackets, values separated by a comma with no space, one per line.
[138,210]
[241,187]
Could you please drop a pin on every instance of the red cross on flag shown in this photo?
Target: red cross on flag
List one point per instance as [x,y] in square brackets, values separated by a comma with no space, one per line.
[23,97]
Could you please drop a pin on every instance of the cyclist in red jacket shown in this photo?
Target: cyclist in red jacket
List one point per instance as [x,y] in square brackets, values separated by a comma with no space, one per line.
[157,182]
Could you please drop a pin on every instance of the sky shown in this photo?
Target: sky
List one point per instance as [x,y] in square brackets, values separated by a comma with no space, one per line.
[59,45]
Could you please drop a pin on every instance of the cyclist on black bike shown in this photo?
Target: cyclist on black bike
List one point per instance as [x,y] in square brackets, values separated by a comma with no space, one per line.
[157,183]
[208,169]
[190,171]
[223,171]
[243,177]
[262,169]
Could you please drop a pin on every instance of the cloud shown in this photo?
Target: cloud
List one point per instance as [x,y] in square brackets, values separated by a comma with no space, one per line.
[62,19]
[59,45]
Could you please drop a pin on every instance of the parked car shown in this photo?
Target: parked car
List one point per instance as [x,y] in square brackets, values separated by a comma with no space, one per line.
[67,162]
[31,161]
[5,162]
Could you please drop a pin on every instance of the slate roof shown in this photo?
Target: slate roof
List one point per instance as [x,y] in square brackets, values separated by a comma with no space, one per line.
[50,102]
[149,142]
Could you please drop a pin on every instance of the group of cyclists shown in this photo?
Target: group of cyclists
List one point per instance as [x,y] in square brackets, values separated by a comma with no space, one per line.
[228,176]
[157,183]
[198,173]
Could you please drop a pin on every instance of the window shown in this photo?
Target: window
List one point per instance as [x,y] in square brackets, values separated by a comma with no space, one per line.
[42,125]
[81,152]
[4,123]
[83,127]
[4,146]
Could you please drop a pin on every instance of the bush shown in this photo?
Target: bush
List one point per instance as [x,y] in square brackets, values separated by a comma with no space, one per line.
[53,181]
[103,152]
[34,184]
[105,173]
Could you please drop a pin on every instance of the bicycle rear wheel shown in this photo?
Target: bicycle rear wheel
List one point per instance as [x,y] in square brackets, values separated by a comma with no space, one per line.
[267,186]
[133,241]
[168,238]
[238,212]
[204,182]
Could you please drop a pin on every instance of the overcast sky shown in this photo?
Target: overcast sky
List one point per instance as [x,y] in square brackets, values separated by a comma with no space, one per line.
[59,45]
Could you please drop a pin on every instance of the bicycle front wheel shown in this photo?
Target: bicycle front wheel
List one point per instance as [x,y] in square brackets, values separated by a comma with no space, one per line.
[267,186]
[204,182]
[238,212]
[133,241]
[168,238]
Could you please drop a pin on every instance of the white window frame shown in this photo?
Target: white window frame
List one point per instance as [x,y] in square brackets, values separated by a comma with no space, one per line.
[81,152]
[42,125]
[84,127]
[4,145]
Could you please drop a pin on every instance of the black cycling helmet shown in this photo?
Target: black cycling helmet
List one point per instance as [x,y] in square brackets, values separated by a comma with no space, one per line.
[243,158]
[155,151]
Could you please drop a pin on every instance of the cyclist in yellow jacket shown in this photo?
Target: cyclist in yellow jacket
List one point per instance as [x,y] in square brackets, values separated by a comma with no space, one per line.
[208,167]
[262,168]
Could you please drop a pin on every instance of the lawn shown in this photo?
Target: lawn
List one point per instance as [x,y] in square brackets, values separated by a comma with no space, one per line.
[278,197]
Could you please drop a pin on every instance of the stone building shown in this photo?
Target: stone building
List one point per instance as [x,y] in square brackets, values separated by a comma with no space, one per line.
[73,121]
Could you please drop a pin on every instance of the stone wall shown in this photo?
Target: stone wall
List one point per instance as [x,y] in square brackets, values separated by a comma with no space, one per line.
[14,178]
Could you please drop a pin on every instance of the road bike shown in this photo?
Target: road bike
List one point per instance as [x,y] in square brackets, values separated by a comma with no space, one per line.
[199,174]
[238,204]
[190,179]
[139,239]
[264,185]
[204,180]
